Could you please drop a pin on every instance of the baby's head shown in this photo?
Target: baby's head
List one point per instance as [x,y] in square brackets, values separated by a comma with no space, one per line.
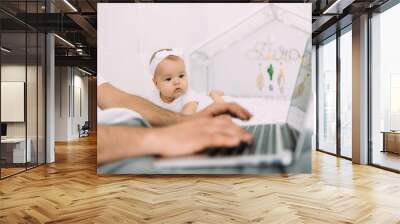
[169,74]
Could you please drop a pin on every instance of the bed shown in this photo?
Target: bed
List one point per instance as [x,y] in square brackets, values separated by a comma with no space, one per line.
[265,110]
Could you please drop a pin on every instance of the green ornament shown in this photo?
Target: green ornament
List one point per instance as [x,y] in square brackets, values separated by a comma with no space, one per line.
[270,71]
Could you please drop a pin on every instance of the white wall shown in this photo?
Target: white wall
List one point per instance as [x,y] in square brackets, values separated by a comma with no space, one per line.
[61,104]
[33,127]
[125,47]
[17,73]
[67,115]
[80,103]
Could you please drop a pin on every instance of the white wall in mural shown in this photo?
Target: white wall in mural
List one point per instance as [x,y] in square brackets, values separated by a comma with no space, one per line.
[228,43]
[260,59]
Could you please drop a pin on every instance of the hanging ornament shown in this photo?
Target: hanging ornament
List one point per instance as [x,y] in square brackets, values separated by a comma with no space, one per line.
[281,77]
[270,71]
[260,80]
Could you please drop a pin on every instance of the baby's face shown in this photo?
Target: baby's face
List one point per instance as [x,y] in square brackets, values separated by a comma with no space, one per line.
[171,79]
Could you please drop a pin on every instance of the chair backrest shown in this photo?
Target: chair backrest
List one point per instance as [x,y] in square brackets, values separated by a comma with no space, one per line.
[86,125]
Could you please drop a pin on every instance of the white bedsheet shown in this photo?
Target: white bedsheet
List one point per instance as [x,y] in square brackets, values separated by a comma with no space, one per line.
[264,110]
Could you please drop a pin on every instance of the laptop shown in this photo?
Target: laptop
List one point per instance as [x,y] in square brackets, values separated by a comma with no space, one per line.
[273,144]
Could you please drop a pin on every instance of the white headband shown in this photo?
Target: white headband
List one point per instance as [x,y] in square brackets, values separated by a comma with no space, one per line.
[161,55]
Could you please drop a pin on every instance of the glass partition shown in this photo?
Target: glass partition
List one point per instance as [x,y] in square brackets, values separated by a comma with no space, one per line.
[13,94]
[327,96]
[32,86]
[41,111]
[32,95]
[22,63]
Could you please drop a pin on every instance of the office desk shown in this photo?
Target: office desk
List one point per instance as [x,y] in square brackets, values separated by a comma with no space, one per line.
[13,150]
[391,141]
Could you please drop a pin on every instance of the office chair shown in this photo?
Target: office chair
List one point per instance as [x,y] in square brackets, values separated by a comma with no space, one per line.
[84,130]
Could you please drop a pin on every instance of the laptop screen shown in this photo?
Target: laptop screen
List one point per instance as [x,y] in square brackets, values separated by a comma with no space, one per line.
[302,91]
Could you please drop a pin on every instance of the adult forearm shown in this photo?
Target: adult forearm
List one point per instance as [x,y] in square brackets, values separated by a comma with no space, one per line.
[189,108]
[108,97]
[122,142]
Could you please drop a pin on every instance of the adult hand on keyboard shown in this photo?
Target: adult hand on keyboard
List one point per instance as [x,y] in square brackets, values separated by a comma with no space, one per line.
[195,135]
[231,109]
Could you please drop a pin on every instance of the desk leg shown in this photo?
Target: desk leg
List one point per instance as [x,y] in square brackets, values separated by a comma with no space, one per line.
[384,143]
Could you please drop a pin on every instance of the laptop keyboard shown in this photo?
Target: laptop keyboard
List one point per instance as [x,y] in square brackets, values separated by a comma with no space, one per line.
[267,139]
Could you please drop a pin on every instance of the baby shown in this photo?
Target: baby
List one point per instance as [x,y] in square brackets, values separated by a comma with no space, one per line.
[170,78]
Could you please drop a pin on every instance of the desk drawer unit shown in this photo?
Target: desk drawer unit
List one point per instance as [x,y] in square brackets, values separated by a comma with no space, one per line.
[392,142]
[14,152]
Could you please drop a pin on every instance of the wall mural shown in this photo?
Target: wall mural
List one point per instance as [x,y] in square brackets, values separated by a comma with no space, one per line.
[273,61]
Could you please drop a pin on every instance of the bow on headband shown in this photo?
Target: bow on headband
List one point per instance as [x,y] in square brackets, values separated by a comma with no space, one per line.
[161,55]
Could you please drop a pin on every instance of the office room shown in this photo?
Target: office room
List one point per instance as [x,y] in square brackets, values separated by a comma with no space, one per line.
[83,141]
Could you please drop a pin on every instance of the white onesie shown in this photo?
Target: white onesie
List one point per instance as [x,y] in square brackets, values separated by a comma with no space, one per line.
[177,104]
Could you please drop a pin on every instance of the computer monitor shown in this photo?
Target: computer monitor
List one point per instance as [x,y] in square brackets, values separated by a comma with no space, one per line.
[3,129]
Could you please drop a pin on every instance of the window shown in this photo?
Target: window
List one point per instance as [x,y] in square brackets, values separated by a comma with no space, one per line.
[327,96]
[346,93]
[385,89]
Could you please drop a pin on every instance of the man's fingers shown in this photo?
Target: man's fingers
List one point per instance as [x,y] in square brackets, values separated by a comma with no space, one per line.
[236,131]
[239,111]
[226,127]
[221,140]
[233,109]
[218,109]
[224,119]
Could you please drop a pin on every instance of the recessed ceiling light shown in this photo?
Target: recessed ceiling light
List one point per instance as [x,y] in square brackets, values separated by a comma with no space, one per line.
[70,5]
[84,71]
[338,6]
[64,40]
[5,50]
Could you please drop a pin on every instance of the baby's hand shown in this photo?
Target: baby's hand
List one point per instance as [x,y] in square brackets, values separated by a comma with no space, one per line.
[216,93]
